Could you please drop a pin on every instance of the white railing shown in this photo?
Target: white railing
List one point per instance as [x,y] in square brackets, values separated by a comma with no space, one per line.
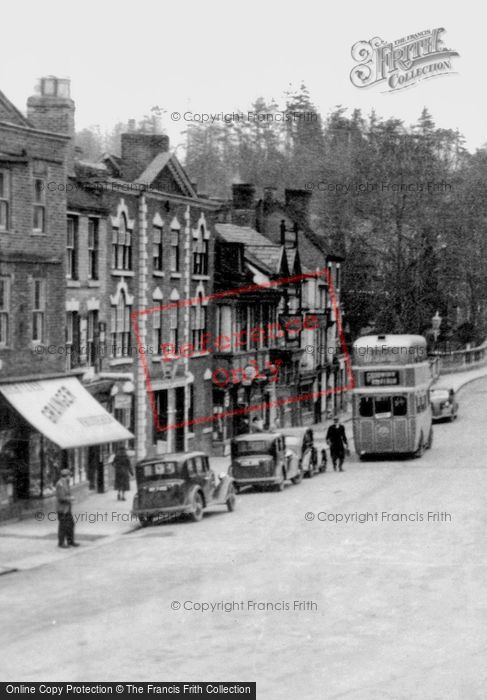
[462,360]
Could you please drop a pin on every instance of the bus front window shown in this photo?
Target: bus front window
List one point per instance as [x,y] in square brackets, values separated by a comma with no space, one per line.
[383,408]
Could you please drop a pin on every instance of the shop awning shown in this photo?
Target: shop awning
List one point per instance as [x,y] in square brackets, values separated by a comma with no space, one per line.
[63,411]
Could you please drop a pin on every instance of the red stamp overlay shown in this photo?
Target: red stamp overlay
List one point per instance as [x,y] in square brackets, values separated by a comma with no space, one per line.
[210,343]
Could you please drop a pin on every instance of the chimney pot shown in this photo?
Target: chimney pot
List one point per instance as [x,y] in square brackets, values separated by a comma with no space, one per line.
[269,194]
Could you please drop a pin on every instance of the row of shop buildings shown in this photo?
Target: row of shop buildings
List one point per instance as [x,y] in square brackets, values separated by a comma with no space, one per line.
[135,310]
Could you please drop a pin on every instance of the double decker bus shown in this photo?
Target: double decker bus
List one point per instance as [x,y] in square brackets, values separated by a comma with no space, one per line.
[391,402]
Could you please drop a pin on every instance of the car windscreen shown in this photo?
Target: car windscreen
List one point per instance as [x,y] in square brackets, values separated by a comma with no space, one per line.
[252,447]
[439,395]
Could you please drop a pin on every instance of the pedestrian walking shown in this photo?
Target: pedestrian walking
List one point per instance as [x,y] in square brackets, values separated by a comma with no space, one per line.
[337,440]
[64,501]
[123,472]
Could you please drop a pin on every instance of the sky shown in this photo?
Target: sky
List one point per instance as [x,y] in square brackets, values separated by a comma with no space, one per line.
[218,56]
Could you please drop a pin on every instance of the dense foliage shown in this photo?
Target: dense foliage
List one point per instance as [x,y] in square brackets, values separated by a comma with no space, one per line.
[407,206]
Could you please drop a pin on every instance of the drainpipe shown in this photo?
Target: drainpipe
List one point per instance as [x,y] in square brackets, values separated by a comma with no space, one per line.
[187,313]
[141,399]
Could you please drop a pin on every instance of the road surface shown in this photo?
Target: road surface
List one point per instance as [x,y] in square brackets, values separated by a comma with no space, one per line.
[358,610]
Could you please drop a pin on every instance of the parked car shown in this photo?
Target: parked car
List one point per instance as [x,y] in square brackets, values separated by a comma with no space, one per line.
[179,483]
[300,440]
[443,403]
[262,459]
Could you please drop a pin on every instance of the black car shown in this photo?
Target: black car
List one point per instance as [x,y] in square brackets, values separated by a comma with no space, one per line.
[179,483]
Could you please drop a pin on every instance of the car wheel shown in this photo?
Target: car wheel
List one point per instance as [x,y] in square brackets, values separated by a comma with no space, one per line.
[421,447]
[298,478]
[145,520]
[197,513]
[231,500]
[430,439]
[280,486]
[310,473]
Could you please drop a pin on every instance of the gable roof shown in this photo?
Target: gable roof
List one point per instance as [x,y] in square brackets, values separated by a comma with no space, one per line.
[258,249]
[242,234]
[158,164]
[112,163]
[312,247]
[9,113]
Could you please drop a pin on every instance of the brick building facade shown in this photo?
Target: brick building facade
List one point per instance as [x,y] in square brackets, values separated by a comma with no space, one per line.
[32,235]
[38,382]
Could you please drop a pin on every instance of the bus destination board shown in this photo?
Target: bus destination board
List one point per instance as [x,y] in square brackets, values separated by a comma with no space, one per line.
[383,378]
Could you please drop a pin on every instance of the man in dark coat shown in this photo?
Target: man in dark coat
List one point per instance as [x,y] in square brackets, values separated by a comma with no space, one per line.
[123,472]
[337,440]
[64,515]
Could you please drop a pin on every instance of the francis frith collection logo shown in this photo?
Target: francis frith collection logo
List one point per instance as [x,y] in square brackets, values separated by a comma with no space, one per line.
[401,63]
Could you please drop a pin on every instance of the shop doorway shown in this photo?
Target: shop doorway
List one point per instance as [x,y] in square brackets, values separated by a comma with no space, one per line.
[179,430]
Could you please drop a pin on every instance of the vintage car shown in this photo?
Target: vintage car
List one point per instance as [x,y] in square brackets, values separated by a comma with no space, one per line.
[443,403]
[177,483]
[262,459]
[300,440]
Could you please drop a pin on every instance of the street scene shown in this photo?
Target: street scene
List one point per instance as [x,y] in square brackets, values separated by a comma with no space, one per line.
[243,353]
[386,607]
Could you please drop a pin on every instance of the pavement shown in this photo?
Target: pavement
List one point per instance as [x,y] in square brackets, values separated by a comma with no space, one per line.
[100,518]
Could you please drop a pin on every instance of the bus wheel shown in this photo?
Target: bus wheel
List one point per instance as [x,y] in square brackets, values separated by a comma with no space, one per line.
[421,447]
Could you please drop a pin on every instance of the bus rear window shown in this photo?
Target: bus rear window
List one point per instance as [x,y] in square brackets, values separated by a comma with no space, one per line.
[366,408]
[399,405]
[382,406]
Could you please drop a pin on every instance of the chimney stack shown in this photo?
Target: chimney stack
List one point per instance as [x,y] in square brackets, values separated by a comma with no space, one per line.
[140,149]
[299,201]
[243,196]
[52,109]
[269,194]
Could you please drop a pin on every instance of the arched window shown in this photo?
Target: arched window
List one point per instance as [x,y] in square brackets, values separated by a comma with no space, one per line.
[157,259]
[174,321]
[200,254]
[120,327]
[198,323]
[122,246]
[174,261]
[157,322]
